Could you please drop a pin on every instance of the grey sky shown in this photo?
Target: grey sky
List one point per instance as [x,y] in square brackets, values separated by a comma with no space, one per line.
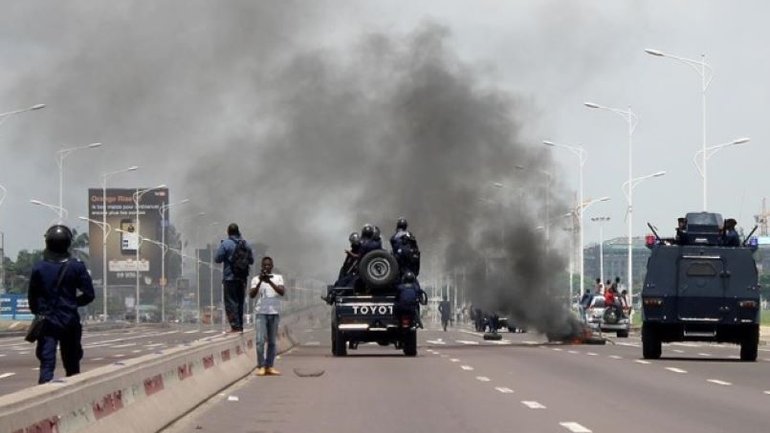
[551,55]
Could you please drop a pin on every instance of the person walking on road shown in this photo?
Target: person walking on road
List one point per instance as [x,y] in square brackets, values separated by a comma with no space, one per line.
[237,257]
[53,293]
[268,288]
[445,310]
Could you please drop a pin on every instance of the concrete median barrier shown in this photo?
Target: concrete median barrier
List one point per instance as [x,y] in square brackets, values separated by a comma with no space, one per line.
[143,394]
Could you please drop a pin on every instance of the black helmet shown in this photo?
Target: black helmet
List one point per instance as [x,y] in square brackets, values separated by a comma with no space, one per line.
[354,238]
[367,232]
[409,277]
[401,223]
[58,239]
[376,236]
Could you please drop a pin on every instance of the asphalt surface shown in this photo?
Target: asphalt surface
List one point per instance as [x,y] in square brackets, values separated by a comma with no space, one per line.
[19,366]
[461,383]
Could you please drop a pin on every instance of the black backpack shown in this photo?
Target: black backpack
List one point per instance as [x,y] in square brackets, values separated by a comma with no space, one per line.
[239,261]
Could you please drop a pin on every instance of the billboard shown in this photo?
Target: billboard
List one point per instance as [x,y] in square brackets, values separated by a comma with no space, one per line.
[123,240]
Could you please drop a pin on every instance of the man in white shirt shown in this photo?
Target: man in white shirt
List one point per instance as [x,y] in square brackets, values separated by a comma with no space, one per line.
[269,290]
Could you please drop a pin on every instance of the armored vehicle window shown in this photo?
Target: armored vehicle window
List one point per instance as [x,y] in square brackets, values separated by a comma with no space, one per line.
[701,269]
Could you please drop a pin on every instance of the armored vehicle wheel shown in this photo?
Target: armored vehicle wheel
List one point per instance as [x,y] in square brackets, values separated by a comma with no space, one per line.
[379,270]
[651,346]
[410,343]
[749,345]
[338,343]
[623,334]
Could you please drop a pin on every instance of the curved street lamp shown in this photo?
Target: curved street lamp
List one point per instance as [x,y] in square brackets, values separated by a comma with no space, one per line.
[60,155]
[137,199]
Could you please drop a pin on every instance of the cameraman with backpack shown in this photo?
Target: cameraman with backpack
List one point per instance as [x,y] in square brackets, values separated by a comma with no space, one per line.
[237,257]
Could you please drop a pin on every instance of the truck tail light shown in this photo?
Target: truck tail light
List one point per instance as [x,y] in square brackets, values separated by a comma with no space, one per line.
[653,302]
[748,304]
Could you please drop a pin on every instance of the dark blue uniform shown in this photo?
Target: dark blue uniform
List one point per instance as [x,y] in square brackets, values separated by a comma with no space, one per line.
[60,308]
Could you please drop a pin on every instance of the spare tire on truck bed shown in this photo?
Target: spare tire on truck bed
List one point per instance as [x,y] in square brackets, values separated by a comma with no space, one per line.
[379,270]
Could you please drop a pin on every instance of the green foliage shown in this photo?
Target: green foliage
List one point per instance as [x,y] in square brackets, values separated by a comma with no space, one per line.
[17,273]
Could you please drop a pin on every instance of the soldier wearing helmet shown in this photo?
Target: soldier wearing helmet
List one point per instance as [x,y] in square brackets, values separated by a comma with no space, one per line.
[370,240]
[53,293]
[405,249]
[409,297]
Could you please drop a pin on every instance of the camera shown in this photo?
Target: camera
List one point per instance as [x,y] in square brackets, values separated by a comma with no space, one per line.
[265,275]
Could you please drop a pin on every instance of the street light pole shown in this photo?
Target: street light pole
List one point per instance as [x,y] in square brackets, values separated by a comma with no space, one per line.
[105,176]
[106,229]
[57,209]
[61,154]
[708,153]
[706,73]
[601,221]
[632,120]
[5,115]
[631,184]
[163,284]
[581,154]
[137,199]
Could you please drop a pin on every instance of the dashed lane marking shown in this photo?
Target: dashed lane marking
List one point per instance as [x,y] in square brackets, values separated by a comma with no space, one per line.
[4,375]
[616,357]
[98,359]
[628,344]
[504,390]
[120,346]
[676,370]
[556,349]
[704,354]
[191,332]
[574,427]
[719,382]
[532,404]
[210,332]
[454,360]
[467,342]
[466,367]
[574,352]
[154,345]
[592,354]
[312,343]
[678,351]
[641,361]
[482,378]
[767,392]
[437,342]
[530,342]
[118,355]
[136,351]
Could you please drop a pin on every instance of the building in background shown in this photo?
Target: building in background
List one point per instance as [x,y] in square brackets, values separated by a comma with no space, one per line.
[616,261]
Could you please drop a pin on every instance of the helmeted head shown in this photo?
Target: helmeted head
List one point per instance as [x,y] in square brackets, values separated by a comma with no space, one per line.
[355,239]
[401,224]
[377,235]
[58,239]
[367,231]
[409,277]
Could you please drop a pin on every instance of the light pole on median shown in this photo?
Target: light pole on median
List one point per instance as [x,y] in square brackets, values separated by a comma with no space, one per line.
[581,208]
[581,154]
[106,229]
[59,210]
[60,155]
[601,221]
[707,75]
[104,224]
[708,153]
[628,190]
[632,120]
[137,199]
[163,284]
[211,274]
[5,115]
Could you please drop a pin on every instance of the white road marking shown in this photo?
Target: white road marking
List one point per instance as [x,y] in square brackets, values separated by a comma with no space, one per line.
[191,332]
[482,378]
[687,344]
[466,367]
[437,342]
[556,349]
[628,344]
[530,342]
[312,343]
[676,370]
[641,361]
[719,382]
[210,332]
[455,360]
[574,352]
[136,351]
[23,353]
[4,375]
[504,390]
[532,404]
[574,427]
[119,355]
[120,346]
[678,351]
[501,342]
[2,355]
[467,342]
[704,354]
[592,354]
[767,392]
[765,350]
[616,357]
[97,359]
[154,345]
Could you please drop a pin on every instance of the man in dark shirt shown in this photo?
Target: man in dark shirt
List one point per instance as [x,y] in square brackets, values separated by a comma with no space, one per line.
[53,293]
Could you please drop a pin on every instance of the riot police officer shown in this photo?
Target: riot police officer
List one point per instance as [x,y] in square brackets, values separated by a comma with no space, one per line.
[395,240]
[730,237]
[405,249]
[53,293]
[349,268]
[410,296]
[369,240]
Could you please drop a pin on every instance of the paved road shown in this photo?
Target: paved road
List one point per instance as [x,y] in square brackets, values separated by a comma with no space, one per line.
[19,366]
[460,383]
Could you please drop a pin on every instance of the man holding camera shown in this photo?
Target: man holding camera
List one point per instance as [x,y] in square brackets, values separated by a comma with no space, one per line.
[268,289]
